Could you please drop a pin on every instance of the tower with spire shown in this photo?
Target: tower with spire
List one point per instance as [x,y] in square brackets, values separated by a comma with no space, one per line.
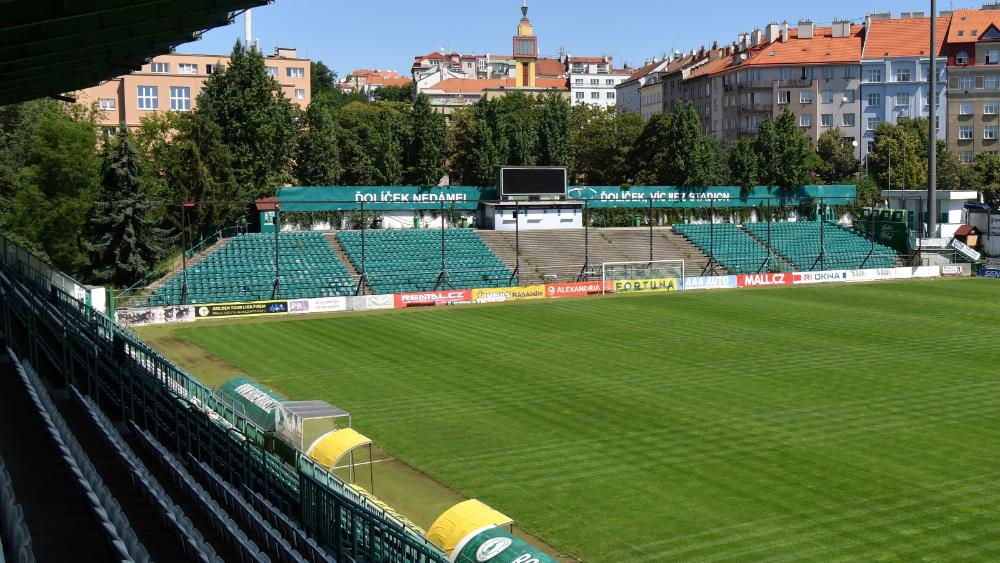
[525,51]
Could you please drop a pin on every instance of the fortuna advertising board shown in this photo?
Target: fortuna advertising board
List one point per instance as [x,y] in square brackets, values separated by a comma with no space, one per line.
[497,294]
[637,286]
[757,280]
[431,298]
[217,310]
[710,282]
[573,289]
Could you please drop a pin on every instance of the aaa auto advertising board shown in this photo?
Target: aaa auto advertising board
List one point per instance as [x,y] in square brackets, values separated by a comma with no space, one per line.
[573,289]
[431,298]
[710,282]
[242,309]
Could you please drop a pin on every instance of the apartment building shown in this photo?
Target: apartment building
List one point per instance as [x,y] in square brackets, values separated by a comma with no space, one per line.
[973,51]
[895,73]
[172,83]
[627,94]
[592,80]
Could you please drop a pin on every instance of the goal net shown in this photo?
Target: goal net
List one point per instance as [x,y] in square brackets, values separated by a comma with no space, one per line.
[656,275]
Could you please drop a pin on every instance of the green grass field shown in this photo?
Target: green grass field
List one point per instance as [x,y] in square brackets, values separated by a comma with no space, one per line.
[844,422]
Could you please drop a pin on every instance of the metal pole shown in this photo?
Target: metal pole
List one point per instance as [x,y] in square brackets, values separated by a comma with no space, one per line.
[770,249]
[441,203]
[822,232]
[932,149]
[362,239]
[711,233]
[517,237]
[651,229]
[277,253]
[184,288]
[586,235]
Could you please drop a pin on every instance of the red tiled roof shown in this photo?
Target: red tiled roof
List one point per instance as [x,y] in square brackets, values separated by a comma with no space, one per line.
[549,67]
[968,26]
[593,60]
[643,72]
[712,67]
[903,37]
[822,48]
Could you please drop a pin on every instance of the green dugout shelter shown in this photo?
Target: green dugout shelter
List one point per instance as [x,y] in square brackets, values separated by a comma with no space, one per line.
[497,545]
[252,399]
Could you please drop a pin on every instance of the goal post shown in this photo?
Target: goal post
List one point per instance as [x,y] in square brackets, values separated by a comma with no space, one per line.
[655,275]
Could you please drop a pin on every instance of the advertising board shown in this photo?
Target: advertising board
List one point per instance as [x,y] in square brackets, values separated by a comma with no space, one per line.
[373,302]
[155,315]
[317,305]
[241,309]
[573,289]
[993,273]
[431,298]
[642,285]
[497,294]
[758,280]
[710,282]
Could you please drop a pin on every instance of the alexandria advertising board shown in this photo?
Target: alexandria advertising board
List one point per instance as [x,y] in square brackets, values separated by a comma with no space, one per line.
[244,309]
[573,289]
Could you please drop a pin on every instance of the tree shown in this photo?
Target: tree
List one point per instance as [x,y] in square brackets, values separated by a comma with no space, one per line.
[57,183]
[898,159]
[649,156]
[603,143]
[743,165]
[690,156]
[554,133]
[322,79]
[199,170]
[403,93]
[987,167]
[766,146]
[793,152]
[460,139]
[317,161]
[126,241]
[256,120]
[427,145]
[837,156]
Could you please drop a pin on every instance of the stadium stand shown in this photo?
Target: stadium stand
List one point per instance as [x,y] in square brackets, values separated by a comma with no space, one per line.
[731,246]
[560,256]
[410,260]
[242,269]
[802,244]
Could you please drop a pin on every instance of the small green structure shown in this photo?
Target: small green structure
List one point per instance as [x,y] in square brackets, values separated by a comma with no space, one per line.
[251,399]
[497,545]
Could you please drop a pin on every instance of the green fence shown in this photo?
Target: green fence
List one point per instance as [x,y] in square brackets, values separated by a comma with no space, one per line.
[69,342]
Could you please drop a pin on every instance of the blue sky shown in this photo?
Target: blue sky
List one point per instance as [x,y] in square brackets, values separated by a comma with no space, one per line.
[389,33]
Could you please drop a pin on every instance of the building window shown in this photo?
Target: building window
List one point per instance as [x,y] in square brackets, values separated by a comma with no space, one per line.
[902,75]
[148,97]
[180,98]
[874,99]
[805,97]
[871,146]
[989,108]
[965,83]
[990,132]
[595,95]
[827,96]
[965,132]
[993,57]
[578,81]
[611,95]
[602,68]
[579,95]
[187,68]
[595,81]
[805,120]
[609,82]
[159,68]
[109,131]
[872,123]
[107,104]
[215,68]
[990,82]
[965,157]
[874,75]
[962,58]
[300,94]
[965,108]
[826,120]
[786,73]
[903,99]
[848,96]
[272,71]
[850,72]
[828,72]
[784,97]
[295,72]
[577,68]
[848,120]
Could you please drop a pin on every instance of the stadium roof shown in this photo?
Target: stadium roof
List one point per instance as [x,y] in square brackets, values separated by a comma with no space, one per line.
[48,47]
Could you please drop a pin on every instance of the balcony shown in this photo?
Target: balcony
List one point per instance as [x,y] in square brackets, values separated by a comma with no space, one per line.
[756,106]
[755,85]
[799,83]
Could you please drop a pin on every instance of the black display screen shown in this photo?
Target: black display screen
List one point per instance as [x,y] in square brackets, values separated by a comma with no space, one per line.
[532,181]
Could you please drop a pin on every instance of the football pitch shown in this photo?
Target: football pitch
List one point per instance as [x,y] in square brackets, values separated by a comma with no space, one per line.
[840,422]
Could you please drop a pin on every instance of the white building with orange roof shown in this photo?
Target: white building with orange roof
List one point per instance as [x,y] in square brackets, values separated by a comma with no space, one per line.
[895,67]
[627,94]
[592,80]
[973,49]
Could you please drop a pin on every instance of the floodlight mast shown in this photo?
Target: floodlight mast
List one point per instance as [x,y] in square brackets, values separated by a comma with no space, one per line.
[932,145]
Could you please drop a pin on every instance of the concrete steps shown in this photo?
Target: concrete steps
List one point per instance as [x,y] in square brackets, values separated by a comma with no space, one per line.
[338,249]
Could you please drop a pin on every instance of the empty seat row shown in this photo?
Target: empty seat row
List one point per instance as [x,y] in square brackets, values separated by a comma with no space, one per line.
[193,543]
[16,536]
[223,524]
[732,247]
[295,535]
[113,520]
[823,245]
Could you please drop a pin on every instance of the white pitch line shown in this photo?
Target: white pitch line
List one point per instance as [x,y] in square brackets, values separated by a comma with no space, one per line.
[365,463]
